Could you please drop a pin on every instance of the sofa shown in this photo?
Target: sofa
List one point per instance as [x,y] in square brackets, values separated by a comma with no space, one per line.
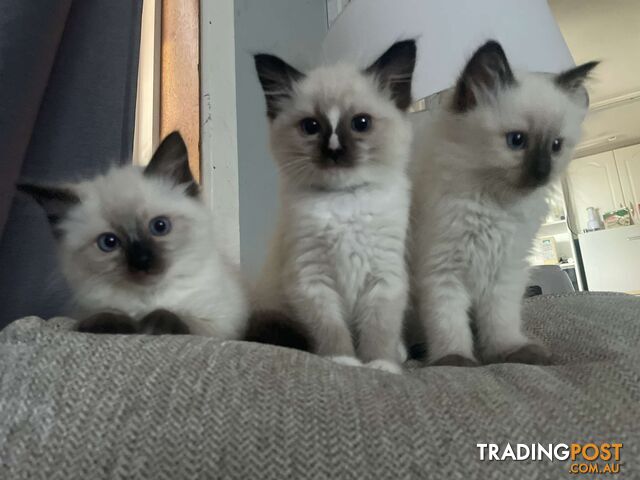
[82,406]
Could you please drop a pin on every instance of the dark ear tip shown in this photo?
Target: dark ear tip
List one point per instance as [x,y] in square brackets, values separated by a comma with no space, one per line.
[175,142]
[491,43]
[575,77]
[174,137]
[266,60]
[409,45]
[44,194]
[407,49]
[30,188]
[586,68]
[260,60]
[410,49]
[261,57]
[175,134]
[492,46]
[591,65]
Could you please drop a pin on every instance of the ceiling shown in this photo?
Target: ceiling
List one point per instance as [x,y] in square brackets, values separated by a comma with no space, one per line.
[607,31]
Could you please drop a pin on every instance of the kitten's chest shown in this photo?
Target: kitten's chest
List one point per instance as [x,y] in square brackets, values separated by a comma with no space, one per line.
[352,232]
[485,236]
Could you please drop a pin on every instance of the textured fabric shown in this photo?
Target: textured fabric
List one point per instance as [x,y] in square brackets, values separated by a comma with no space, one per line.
[77,406]
[85,122]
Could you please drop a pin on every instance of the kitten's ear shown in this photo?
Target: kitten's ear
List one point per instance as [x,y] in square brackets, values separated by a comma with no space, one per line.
[56,201]
[485,74]
[171,161]
[277,78]
[394,71]
[572,80]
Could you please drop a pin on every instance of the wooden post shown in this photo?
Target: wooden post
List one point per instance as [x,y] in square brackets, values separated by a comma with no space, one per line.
[180,78]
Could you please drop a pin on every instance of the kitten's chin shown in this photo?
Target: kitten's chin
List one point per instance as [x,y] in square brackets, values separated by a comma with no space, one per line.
[339,184]
[508,184]
[513,191]
[143,279]
[338,179]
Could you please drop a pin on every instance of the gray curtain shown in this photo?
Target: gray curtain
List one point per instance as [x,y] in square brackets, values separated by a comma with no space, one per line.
[28,31]
[68,75]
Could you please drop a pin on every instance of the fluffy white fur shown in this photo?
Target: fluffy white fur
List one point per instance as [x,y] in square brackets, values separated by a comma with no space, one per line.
[186,271]
[473,223]
[199,284]
[337,260]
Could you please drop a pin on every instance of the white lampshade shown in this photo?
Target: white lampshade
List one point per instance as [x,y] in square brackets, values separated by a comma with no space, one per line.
[448,32]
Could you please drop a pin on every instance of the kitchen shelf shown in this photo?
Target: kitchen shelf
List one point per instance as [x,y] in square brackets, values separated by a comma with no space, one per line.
[554,228]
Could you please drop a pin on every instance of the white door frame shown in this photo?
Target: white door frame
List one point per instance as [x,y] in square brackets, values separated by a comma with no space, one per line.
[218,134]
[218,127]
[147,117]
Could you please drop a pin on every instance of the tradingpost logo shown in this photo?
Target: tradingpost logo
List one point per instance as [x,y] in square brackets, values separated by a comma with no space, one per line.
[598,458]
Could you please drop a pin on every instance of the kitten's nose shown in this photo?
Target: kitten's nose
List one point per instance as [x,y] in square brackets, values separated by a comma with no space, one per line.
[334,153]
[540,168]
[139,257]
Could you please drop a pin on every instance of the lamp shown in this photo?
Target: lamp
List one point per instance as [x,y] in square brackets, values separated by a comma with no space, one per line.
[447,33]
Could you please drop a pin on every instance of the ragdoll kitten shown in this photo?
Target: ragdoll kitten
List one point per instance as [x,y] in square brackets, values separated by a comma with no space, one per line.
[138,249]
[484,163]
[341,140]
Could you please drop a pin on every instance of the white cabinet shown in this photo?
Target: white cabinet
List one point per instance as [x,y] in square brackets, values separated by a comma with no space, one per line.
[628,164]
[593,181]
[611,259]
[607,181]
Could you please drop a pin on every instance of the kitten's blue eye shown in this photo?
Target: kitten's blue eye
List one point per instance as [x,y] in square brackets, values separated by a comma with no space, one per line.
[516,140]
[108,242]
[310,126]
[361,122]
[556,146]
[159,226]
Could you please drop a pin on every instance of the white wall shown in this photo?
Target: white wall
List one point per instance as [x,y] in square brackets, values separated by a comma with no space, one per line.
[293,30]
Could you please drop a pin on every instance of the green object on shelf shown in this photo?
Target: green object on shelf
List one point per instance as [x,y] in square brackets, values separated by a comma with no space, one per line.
[617,218]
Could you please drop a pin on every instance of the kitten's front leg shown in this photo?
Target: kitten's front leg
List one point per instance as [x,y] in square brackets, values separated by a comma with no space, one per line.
[319,306]
[444,311]
[378,320]
[163,322]
[499,322]
[108,322]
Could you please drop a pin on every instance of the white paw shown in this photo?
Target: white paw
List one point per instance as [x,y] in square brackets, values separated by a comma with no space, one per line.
[384,365]
[346,360]
[403,354]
